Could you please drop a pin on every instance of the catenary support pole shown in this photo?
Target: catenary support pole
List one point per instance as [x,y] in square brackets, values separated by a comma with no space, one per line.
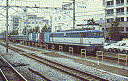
[7,26]
[74,19]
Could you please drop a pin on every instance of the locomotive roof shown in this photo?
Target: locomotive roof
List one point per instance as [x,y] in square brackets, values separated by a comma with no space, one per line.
[79,31]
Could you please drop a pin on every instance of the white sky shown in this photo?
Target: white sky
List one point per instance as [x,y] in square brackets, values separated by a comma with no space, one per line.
[92,6]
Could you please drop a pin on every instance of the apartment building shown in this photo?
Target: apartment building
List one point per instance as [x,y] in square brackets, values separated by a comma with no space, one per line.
[117,10]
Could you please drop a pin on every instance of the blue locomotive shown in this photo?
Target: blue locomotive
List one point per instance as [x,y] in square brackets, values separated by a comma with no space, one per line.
[83,37]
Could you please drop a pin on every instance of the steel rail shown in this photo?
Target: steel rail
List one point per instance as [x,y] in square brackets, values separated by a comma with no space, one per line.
[60,65]
[3,76]
[21,76]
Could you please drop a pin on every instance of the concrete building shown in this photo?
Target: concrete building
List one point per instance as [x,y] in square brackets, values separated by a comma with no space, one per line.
[84,10]
[15,22]
[29,21]
[117,10]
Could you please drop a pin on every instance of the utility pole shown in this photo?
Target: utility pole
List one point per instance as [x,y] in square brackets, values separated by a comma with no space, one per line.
[74,19]
[7,26]
[51,22]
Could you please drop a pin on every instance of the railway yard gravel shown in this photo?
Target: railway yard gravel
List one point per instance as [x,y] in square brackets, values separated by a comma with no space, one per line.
[22,64]
[92,70]
[69,62]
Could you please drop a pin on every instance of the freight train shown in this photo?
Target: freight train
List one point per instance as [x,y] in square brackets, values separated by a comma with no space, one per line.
[91,40]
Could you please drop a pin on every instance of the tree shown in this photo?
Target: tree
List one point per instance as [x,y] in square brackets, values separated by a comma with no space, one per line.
[29,30]
[37,29]
[91,22]
[45,29]
[25,31]
[14,32]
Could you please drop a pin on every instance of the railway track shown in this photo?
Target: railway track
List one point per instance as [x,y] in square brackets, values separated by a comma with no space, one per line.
[8,72]
[46,78]
[107,57]
[63,68]
[3,77]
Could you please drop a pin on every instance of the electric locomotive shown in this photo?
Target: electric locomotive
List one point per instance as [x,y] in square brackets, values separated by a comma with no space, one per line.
[84,37]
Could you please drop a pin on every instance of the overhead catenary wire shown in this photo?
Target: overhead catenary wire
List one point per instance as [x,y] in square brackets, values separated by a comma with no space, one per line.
[38,9]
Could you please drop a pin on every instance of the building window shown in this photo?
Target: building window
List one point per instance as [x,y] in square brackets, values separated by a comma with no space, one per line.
[110,20]
[121,28]
[33,22]
[127,10]
[16,24]
[120,11]
[126,28]
[118,19]
[119,2]
[110,3]
[109,12]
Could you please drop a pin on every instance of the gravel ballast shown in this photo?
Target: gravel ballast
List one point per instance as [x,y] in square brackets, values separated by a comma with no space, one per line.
[98,72]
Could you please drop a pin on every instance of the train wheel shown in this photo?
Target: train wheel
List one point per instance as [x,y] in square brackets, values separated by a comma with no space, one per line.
[107,50]
[110,49]
[125,51]
[115,50]
[118,50]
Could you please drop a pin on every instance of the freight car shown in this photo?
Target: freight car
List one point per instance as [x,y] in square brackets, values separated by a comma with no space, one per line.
[18,38]
[91,40]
